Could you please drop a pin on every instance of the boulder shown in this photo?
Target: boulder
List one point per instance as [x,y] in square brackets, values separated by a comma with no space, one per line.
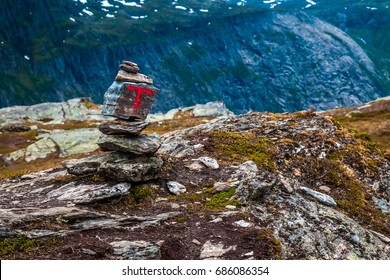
[122,168]
[140,145]
[117,166]
[211,109]
[122,127]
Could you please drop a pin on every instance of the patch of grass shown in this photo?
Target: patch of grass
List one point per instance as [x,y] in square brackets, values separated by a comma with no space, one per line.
[139,194]
[17,245]
[221,200]
[13,174]
[352,196]
[366,138]
[234,148]
[51,161]
[375,124]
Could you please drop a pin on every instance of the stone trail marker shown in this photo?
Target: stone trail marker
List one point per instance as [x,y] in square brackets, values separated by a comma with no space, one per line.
[131,96]
[129,99]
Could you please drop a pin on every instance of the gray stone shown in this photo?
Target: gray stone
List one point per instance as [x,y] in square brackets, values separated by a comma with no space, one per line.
[214,250]
[117,166]
[211,109]
[196,166]
[324,188]
[171,114]
[322,198]
[84,166]
[129,101]
[243,224]
[222,186]
[124,76]
[76,141]
[208,162]
[136,250]
[122,168]
[145,144]
[382,204]
[122,127]
[175,148]
[88,252]
[51,113]
[40,149]
[176,188]
[131,68]
[87,194]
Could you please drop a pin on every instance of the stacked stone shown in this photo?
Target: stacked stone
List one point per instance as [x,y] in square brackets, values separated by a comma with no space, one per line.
[129,99]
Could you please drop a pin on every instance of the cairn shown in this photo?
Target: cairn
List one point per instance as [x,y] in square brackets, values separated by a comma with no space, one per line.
[129,100]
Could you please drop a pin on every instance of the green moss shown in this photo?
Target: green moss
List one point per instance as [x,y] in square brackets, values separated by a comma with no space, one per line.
[235,147]
[273,248]
[15,245]
[13,174]
[222,199]
[365,137]
[139,194]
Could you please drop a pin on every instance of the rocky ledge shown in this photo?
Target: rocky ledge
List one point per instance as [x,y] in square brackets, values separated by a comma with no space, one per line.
[253,186]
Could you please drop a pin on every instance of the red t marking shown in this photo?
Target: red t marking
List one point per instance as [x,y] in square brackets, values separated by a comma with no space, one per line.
[139,90]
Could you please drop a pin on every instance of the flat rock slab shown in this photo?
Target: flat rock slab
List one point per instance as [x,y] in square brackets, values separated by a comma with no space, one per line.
[129,68]
[117,166]
[122,127]
[124,76]
[322,198]
[136,250]
[87,194]
[146,144]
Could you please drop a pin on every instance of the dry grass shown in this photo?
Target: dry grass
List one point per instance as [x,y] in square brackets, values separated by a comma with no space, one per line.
[23,167]
[181,120]
[373,119]
[13,141]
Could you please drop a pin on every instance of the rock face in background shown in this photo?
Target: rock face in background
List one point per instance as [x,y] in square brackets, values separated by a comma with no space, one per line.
[249,59]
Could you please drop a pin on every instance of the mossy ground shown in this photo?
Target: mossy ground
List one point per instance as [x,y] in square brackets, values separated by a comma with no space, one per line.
[235,148]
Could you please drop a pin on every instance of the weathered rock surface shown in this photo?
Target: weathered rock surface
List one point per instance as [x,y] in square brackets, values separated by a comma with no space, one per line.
[145,144]
[213,251]
[86,194]
[129,66]
[51,113]
[211,109]
[65,142]
[121,127]
[323,198]
[117,166]
[176,188]
[136,250]
[124,76]
[208,162]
